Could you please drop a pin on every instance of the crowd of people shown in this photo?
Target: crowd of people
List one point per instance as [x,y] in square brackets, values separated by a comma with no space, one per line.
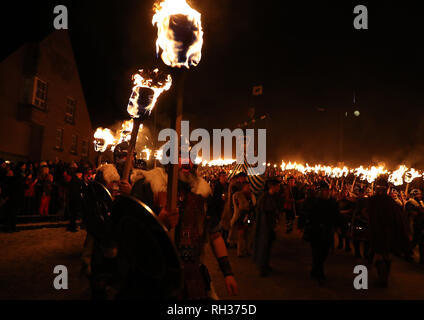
[372,221]
[41,188]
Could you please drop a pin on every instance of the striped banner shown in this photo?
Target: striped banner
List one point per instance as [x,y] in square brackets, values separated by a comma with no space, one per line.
[257,183]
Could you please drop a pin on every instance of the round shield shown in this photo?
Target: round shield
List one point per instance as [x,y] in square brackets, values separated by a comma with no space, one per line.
[145,252]
[97,211]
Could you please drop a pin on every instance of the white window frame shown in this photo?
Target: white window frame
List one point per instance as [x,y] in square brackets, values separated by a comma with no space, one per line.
[70,116]
[39,101]
[57,146]
[84,150]
[74,144]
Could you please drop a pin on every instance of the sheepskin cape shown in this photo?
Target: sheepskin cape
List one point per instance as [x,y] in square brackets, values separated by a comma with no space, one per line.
[157,178]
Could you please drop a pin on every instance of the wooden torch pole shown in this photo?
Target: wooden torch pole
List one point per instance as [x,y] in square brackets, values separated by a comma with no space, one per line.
[176,117]
[131,148]
[99,158]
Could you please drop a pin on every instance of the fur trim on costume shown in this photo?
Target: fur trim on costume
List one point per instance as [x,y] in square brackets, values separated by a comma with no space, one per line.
[136,174]
[197,184]
[109,172]
[157,178]
[201,187]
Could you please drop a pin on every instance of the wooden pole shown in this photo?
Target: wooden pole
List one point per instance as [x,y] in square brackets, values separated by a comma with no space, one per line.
[154,137]
[353,184]
[99,158]
[176,117]
[131,148]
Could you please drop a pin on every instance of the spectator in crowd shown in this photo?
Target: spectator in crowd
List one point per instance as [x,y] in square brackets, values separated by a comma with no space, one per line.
[11,200]
[323,218]
[227,214]
[244,203]
[29,194]
[76,186]
[267,210]
[46,184]
[220,191]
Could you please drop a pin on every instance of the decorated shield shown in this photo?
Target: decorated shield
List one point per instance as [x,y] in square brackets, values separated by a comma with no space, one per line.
[146,253]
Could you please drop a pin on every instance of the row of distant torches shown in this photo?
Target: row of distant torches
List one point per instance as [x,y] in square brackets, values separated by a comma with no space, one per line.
[398,177]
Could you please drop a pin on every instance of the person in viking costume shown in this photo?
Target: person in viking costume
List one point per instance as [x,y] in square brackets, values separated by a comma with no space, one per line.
[101,261]
[136,272]
[198,224]
[415,211]
[388,230]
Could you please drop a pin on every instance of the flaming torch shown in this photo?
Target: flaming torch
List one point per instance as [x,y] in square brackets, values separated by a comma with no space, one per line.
[180,34]
[102,139]
[409,177]
[126,130]
[180,37]
[148,86]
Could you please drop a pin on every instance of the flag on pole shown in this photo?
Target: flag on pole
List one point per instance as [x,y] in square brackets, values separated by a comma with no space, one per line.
[257,90]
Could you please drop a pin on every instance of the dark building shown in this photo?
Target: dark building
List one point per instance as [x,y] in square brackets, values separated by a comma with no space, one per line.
[43,113]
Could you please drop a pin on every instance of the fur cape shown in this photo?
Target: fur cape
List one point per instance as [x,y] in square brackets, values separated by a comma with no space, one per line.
[157,178]
[109,173]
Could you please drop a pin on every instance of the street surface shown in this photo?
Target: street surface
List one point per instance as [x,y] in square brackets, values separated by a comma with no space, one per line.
[29,257]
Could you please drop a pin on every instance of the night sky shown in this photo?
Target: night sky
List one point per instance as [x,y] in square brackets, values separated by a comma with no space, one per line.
[307,55]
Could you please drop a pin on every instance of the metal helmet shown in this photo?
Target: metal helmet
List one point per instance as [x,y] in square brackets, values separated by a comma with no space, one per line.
[121,151]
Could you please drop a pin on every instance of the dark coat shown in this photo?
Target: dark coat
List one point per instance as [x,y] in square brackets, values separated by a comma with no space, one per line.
[322,216]
[266,218]
[75,194]
[388,228]
[218,201]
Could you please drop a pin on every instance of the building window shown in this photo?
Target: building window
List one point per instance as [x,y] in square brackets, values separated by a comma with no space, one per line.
[84,148]
[59,139]
[71,105]
[39,96]
[74,144]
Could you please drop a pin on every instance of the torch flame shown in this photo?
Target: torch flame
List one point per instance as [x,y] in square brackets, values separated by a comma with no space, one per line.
[158,154]
[148,152]
[396,177]
[411,175]
[156,82]
[102,139]
[180,34]
[126,130]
